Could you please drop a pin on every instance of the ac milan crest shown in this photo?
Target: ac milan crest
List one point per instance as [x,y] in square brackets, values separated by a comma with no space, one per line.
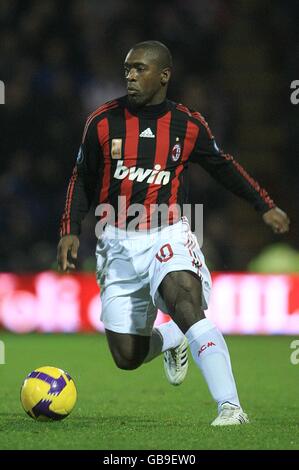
[176,152]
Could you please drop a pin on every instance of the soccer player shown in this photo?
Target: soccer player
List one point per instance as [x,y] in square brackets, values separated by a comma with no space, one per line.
[138,147]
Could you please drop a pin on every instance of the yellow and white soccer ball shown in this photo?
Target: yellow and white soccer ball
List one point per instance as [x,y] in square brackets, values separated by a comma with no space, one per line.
[48,393]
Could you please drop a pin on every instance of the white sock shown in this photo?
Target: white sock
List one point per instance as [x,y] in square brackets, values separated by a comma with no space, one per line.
[164,337]
[171,334]
[211,355]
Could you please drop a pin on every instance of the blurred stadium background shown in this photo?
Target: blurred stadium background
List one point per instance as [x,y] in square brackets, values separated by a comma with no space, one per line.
[60,60]
[234,61]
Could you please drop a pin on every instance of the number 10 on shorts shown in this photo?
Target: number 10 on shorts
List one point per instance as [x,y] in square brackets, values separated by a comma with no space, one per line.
[165,253]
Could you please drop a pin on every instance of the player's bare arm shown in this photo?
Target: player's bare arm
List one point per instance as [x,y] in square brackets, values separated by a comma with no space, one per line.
[277,219]
[68,245]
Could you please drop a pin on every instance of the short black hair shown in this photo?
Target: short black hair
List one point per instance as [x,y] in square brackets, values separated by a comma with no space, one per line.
[159,50]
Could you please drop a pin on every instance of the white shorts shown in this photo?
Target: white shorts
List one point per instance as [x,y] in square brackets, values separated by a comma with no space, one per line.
[131,266]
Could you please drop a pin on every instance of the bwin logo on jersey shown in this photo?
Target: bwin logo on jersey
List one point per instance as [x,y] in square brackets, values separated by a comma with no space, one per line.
[141,174]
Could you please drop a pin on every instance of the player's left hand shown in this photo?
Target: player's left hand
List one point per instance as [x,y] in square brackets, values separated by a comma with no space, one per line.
[277,219]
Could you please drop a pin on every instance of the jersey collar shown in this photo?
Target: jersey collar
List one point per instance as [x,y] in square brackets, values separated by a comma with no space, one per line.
[152,111]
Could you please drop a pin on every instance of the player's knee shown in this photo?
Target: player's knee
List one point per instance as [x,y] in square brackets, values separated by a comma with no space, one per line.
[127,360]
[126,363]
[128,351]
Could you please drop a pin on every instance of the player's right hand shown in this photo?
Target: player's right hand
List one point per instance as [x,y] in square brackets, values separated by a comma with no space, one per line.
[69,244]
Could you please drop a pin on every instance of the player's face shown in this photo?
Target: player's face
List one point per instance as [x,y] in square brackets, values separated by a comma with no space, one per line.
[145,79]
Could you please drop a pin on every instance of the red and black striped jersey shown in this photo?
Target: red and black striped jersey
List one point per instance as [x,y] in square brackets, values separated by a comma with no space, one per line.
[143,155]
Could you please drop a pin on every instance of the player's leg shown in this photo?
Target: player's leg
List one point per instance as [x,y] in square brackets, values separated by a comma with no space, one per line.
[167,338]
[182,293]
[164,337]
[180,286]
[129,329]
[127,310]
[128,351]
[128,321]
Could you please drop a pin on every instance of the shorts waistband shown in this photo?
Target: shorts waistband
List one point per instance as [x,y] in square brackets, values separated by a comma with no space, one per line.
[113,232]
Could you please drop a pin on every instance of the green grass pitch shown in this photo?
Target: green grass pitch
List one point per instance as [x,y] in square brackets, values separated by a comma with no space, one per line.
[139,409]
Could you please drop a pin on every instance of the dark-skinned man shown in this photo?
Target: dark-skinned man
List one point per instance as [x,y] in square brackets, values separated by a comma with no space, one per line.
[137,148]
